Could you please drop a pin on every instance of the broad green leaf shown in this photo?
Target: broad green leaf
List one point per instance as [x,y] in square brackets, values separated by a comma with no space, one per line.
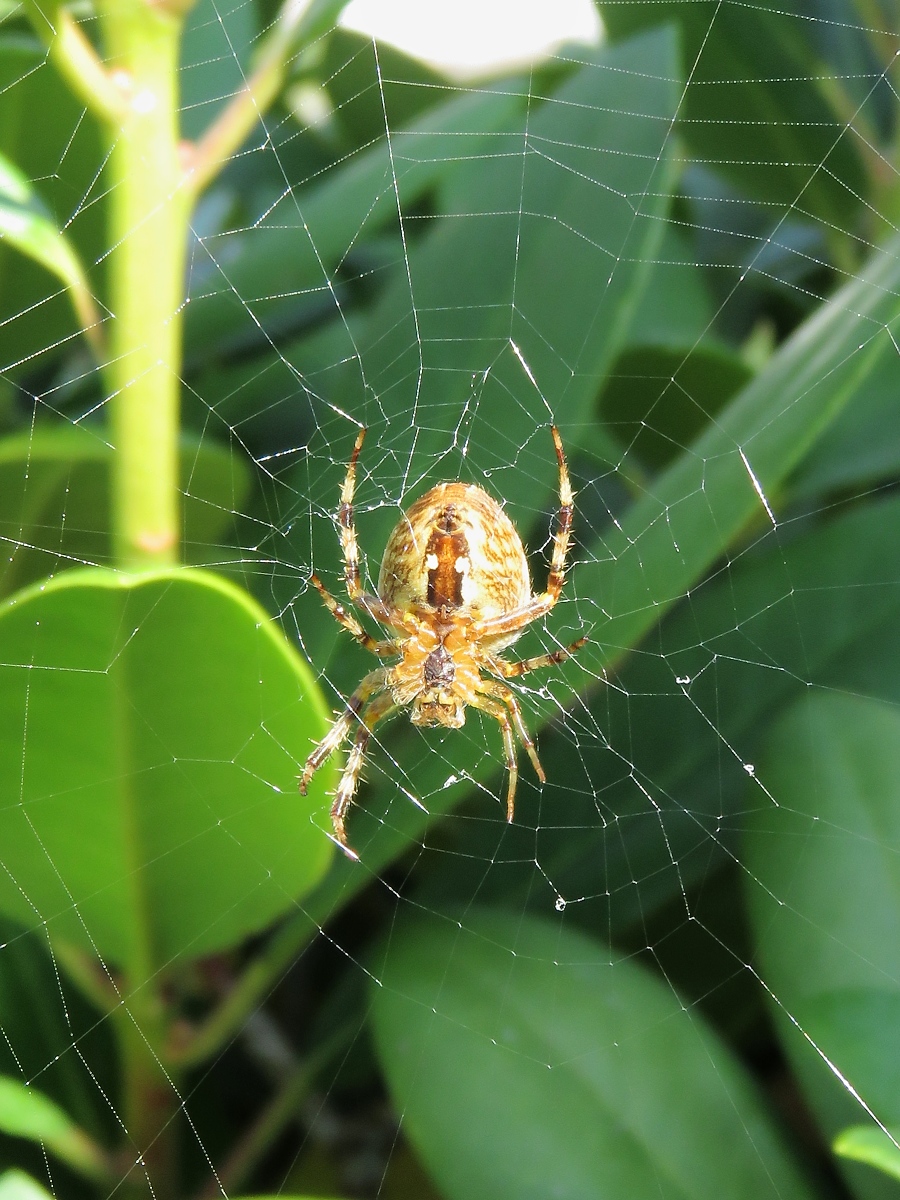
[215,59]
[756,107]
[36,318]
[658,399]
[54,500]
[871,1145]
[528,1061]
[282,269]
[675,308]
[16,1185]
[823,881]
[27,1113]
[862,447]
[152,727]
[26,224]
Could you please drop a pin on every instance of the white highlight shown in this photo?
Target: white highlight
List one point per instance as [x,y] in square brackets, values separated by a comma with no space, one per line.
[758,488]
[467,38]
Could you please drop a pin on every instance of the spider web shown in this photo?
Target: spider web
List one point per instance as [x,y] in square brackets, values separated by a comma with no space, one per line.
[677,248]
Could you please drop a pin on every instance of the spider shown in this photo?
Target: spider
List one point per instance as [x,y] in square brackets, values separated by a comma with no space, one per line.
[454,589]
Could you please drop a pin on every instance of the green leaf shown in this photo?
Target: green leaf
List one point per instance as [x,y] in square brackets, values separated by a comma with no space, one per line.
[529,1061]
[27,1113]
[281,270]
[16,1185]
[215,59]
[823,880]
[36,321]
[54,500]
[756,107]
[152,727]
[871,1145]
[862,447]
[27,224]
[658,399]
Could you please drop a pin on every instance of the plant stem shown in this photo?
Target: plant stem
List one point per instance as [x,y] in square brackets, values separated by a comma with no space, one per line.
[282,1108]
[75,58]
[149,213]
[151,1097]
[257,980]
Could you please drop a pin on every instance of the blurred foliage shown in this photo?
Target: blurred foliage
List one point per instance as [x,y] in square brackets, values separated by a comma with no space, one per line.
[675,975]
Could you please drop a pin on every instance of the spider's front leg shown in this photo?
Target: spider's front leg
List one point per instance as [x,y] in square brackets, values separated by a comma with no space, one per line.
[374,682]
[382,706]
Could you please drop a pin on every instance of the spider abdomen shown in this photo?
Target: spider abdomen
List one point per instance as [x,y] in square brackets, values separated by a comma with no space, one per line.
[455,549]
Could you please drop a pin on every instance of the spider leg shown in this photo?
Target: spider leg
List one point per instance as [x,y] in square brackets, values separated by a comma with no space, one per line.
[350,546]
[350,623]
[382,706]
[538,606]
[509,670]
[495,710]
[372,683]
[504,694]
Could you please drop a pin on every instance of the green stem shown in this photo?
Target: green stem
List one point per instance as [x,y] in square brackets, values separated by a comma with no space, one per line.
[151,1096]
[281,1109]
[149,213]
[258,979]
[75,58]
[298,22]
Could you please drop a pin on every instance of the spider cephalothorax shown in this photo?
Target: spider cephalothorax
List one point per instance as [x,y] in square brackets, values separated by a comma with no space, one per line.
[455,590]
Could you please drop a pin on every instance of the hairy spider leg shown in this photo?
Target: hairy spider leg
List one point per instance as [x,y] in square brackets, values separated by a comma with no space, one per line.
[382,706]
[506,623]
[491,698]
[350,545]
[382,648]
[372,683]
[500,691]
[509,670]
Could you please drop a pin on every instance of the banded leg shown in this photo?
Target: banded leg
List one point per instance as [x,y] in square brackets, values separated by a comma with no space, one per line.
[506,623]
[385,647]
[350,545]
[504,694]
[509,670]
[497,711]
[374,682]
[382,706]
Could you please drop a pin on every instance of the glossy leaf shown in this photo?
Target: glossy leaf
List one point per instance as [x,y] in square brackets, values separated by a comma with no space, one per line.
[822,882]
[36,320]
[756,107]
[862,447]
[529,1061]
[54,499]
[162,718]
[282,270]
[26,224]
[871,1145]
[27,1113]
[16,1185]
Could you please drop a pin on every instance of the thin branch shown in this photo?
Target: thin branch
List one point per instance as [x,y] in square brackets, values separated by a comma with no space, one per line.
[280,1110]
[76,59]
[258,979]
[298,21]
